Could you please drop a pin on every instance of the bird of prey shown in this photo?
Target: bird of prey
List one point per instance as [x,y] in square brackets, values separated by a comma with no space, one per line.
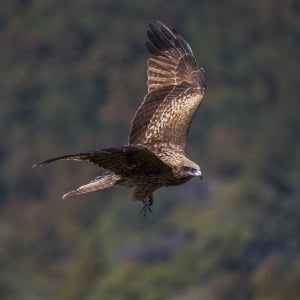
[155,154]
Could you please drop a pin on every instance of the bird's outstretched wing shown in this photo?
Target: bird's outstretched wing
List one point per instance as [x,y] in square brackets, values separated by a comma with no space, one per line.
[175,89]
[125,160]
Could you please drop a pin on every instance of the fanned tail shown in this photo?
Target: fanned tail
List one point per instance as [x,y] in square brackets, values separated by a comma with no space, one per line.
[100,183]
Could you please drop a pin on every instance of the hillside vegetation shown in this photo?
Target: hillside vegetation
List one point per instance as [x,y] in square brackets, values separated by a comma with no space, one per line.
[72,74]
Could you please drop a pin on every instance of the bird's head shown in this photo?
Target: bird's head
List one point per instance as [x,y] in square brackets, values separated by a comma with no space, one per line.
[191,169]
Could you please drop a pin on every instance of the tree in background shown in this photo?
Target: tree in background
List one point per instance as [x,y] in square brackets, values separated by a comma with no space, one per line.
[72,75]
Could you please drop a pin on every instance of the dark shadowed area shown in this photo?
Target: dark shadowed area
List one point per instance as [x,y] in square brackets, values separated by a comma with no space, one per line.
[72,74]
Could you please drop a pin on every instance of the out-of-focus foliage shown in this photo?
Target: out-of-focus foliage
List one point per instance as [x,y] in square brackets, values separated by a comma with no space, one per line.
[72,74]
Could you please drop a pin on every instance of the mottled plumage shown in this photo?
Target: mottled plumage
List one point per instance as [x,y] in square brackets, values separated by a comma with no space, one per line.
[155,154]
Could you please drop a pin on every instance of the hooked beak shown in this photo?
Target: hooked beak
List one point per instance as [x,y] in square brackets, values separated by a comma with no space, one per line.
[198,174]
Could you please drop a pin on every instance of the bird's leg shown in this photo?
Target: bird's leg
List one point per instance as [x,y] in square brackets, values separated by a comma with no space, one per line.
[151,199]
[146,206]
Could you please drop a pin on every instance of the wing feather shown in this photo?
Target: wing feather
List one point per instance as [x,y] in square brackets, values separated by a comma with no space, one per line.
[126,160]
[175,90]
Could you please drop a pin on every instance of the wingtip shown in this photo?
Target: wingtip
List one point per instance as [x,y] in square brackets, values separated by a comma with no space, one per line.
[37,165]
[158,25]
[154,22]
[69,195]
[64,196]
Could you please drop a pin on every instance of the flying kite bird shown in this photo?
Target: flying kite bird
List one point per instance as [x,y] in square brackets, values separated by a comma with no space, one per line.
[155,154]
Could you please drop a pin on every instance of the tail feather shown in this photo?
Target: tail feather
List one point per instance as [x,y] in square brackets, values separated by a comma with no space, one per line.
[100,183]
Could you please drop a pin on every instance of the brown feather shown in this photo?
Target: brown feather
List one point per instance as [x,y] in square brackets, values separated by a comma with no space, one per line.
[102,182]
[155,156]
[175,90]
[123,160]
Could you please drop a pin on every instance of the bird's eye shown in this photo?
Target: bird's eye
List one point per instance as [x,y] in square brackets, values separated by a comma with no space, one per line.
[188,169]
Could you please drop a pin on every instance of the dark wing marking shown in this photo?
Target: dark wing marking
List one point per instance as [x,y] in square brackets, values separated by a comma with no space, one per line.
[126,160]
[175,90]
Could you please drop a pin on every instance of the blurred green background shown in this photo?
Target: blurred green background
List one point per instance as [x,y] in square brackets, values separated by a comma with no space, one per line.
[72,74]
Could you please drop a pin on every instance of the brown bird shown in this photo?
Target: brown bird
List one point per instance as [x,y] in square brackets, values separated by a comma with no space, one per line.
[155,154]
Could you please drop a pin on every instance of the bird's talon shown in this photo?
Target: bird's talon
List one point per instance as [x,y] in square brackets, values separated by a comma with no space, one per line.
[146,207]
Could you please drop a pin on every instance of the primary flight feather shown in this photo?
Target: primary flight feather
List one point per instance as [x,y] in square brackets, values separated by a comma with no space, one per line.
[155,154]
